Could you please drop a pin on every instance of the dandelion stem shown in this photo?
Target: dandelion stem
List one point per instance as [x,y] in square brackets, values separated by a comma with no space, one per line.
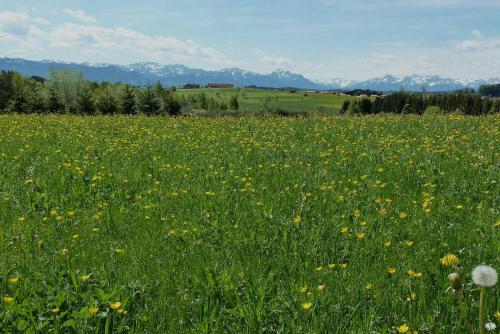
[481,311]
[464,313]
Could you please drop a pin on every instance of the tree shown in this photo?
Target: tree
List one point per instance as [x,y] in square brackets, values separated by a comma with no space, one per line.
[105,101]
[7,90]
[345,106]
[233,103]
[36,101]
[171,106]
[127,101]
[67,83]
[148,103]
[365,106]
[85,102]
[54,103]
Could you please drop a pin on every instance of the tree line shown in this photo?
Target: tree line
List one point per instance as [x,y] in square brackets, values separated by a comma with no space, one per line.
[463,102]
[67,91]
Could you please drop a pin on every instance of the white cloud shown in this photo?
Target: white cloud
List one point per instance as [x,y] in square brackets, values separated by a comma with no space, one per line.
[476,33]
[41,20]
[274,60]
[26,34]
[383,59]
[281,62]
[79,15]
[14,23]
[478,44]
[77,36]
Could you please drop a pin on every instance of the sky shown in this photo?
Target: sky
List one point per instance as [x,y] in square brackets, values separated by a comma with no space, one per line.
[322,39]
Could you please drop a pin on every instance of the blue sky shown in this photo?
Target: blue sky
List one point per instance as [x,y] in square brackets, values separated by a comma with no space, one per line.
[322,39]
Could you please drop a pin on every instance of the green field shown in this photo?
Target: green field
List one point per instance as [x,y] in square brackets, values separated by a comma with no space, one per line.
[245,225]
[253,99]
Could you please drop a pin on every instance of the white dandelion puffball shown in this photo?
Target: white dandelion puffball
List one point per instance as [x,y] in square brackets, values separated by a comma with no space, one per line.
[490,326]
[484,276]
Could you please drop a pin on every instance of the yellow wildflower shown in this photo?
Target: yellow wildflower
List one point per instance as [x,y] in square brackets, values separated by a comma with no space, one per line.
[13,280]
[93,309]
[7,300]
[306,306]
[449,260]
[403,328]
[391,270]
[115,305]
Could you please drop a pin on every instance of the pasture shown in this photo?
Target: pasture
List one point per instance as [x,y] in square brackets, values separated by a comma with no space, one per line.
[245,225]
[253,99]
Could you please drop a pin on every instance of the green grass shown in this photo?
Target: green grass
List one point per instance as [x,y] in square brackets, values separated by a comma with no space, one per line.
[230,225]
[253,99]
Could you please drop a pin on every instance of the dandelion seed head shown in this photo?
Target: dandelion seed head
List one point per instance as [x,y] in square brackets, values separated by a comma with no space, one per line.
[484,276]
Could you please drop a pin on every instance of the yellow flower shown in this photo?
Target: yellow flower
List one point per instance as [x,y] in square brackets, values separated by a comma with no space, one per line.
[53,212]
[387,244]
[85,278]
[331,265]
[402,215]
[412,296]
[71,213]
[497,224]
[93,309]
[297,220]
[343,265]
[13,280]
[360,235]
[403,328]
[321,287]
[7,300]
[64,252]
[391,270]
[119,250]
[344,230]
[363,223]
[21,219]
[306,306]
[449,260]
[414,274]
[368,286]
[115,305]
[409,243]
[497,315]
[356,213]
[303,289]
[54,310]
[318,269]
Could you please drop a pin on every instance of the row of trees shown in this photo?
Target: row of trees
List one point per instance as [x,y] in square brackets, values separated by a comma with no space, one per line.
[68,92]
[490,90]
[406,103]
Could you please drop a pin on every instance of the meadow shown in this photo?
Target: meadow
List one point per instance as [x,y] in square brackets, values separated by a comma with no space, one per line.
[117,224]
[252,100]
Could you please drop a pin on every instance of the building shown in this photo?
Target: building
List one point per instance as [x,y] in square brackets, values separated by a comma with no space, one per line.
[191,86]
[220,85]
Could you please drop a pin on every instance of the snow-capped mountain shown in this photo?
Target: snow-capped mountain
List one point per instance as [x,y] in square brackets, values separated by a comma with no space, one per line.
[149,73]
[411,83]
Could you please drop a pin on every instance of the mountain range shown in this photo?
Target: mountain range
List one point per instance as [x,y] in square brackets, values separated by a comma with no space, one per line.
[176,75]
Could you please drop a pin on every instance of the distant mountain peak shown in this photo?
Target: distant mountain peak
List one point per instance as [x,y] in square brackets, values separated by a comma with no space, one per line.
[143,73]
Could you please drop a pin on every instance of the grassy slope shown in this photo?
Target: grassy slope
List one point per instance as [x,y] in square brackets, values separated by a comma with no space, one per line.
[215,225]
[252,99]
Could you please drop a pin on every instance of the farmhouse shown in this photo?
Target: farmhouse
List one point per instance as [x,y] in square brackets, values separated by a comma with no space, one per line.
[220,85]
[191,86]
